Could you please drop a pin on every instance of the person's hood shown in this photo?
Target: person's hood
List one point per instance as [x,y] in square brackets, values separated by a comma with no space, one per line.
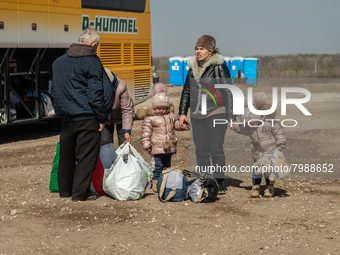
[261,101]
[145,112]
[80,50]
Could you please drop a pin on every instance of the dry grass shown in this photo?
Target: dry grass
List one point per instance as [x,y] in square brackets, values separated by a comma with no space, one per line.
[281,66]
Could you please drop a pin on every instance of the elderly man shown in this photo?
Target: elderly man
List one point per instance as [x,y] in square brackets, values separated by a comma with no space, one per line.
[82,97]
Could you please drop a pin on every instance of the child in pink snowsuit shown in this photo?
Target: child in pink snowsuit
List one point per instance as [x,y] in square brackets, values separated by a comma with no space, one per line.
[158,135]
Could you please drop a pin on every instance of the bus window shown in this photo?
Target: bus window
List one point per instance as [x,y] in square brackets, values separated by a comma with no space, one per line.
[115,5]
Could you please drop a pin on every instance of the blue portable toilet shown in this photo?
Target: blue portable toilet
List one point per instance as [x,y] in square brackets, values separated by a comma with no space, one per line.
[176,70]
[186,67]
[250,70]
[236,63]
[227,62]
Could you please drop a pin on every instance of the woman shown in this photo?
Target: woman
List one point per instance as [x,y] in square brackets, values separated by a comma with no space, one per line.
[122,113]
[206,69]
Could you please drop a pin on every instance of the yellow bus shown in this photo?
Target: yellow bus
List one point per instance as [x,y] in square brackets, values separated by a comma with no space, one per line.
[33,33]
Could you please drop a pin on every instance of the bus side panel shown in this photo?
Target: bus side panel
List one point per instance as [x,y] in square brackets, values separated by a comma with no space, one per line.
[61,14]
[74,5]
[128,78]
[9,34]
[127,54]
[33,24]
[59,38]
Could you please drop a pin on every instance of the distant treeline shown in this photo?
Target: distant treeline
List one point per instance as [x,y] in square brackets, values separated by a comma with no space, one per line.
[280,66]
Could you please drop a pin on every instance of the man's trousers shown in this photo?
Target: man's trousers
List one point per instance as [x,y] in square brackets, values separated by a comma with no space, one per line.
[79,154]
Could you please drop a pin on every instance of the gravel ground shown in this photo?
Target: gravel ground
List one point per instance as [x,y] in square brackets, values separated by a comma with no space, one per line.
[302,218]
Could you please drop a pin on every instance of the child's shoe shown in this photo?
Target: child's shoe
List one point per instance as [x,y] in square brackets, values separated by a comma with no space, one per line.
[269,191]
[255,191]
[154,186]
[221,187]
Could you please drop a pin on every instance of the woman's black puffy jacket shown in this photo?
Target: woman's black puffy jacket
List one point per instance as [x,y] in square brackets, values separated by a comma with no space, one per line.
[191,91]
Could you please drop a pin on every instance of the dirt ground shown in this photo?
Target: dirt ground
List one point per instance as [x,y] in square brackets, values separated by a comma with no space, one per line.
[303,217]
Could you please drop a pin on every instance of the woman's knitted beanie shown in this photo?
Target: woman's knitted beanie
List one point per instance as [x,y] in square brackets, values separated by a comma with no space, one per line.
[207,42]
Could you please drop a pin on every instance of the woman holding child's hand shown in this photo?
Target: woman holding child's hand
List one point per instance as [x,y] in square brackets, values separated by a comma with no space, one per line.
[183,118]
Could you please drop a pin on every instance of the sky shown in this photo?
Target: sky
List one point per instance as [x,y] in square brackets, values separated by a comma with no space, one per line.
[246,27]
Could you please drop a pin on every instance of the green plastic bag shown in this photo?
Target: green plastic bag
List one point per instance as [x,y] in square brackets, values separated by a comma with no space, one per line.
[54,174]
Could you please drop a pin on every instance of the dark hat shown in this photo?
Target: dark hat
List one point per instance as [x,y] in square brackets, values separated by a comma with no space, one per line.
[206,41]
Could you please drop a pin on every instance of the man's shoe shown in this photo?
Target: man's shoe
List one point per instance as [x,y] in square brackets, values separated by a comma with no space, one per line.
[269,191]
[255,191]
[90,197]
[221,188]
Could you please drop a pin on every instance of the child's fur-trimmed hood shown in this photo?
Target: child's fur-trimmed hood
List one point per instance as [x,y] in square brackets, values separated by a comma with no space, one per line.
[145,112]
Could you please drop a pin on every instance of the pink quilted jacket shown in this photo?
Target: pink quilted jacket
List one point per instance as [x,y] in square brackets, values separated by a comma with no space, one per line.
[123,108]
[264,138]
[158,131]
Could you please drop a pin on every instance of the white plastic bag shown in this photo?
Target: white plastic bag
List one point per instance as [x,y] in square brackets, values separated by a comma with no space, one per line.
[48,106]
[129,176]
[120,148]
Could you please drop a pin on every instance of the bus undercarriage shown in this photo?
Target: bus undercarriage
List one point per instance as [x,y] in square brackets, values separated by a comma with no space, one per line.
[26,75]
